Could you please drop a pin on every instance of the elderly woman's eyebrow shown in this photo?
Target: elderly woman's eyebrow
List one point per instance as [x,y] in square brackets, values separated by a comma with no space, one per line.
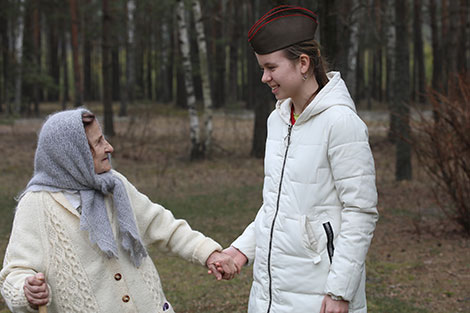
[98,140]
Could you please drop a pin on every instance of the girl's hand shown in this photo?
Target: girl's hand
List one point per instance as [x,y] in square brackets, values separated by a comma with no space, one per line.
[334,306]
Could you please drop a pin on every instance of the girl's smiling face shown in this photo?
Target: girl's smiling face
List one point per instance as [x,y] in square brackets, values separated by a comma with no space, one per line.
[281,74]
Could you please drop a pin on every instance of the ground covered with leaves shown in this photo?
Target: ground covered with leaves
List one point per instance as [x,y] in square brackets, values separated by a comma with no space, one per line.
[419,260]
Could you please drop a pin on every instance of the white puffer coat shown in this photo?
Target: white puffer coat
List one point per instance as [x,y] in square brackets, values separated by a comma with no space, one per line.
[312,233]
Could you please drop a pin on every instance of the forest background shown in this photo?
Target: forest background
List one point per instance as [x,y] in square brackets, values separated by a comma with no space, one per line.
[177,89]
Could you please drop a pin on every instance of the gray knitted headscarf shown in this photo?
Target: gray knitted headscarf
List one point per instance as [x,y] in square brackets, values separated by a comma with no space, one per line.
[63,161]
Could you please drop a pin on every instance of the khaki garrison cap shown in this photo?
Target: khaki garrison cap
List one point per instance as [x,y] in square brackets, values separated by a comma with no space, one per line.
[281,27]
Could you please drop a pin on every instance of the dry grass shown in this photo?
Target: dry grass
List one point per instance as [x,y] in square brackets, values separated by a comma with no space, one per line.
[418,261]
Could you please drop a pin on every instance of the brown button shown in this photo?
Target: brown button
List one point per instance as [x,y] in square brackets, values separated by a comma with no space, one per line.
[117,276]
[126,298]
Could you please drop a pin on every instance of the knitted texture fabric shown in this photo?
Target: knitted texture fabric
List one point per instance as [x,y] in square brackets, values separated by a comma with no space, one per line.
[64,161]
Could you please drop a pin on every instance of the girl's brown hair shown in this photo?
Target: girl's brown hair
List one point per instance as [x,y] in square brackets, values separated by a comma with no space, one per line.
[318,64]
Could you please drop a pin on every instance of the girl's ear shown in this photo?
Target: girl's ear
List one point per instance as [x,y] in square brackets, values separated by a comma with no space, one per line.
[304,62]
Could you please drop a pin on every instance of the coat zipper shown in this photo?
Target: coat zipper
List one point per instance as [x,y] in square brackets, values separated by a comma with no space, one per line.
[329,237]
[275,217]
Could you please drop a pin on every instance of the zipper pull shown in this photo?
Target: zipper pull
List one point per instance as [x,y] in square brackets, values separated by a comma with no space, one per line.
[288,134]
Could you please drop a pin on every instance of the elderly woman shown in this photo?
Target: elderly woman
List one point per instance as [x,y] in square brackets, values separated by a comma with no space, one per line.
[80,231]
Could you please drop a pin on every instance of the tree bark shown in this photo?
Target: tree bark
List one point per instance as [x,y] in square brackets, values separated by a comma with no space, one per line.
[390,68]
[401,103]
[130,59]
[18,46]
[5,47]
[87,53]
[36,55]
[204,69]
[328,30]
[65,67]
[116,72]
[219,65]
[106,71]
[419,78]
[53,57]
[453,47]
[197,149]
[353,48]
[75,53]
[436,59]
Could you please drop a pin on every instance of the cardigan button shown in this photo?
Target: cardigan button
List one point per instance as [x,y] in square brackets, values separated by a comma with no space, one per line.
[117,276]
[126,298]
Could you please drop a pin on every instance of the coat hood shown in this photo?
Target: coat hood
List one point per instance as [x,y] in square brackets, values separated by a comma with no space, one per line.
[334,93]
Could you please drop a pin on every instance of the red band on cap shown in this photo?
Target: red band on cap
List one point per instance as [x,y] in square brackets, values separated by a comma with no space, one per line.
[278,9]
[265,16]
[303,15]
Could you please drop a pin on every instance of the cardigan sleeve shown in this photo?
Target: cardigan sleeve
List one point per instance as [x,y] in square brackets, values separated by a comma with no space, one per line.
[353,170]
[25,253]
[158,226]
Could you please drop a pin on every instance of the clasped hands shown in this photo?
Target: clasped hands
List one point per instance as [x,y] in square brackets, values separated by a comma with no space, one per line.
[226,264]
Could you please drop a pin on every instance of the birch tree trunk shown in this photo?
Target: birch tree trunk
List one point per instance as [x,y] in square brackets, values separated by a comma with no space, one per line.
[18,37]
[197,150]
[130,59]
[76,62]
[206,86]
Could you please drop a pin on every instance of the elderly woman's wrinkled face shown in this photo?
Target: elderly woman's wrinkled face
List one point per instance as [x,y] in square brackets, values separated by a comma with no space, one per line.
[99,148]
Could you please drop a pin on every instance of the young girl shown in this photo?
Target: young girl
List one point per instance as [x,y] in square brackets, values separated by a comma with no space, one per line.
[310,238]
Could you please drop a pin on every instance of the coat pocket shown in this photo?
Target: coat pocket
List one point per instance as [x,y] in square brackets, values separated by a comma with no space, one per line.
[329,239]
[310,240]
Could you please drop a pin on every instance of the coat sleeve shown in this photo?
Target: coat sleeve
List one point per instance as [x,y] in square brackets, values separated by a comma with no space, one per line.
[246,243]
[353,171]
[25,252]
[158,226]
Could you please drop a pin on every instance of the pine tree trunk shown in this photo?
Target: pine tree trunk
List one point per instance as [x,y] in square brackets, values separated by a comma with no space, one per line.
[401,98]
[116,72]
[5,47]
[106,72]
[390,68]
[36,55]
[18,46]
[204,69]
[53,57]
[219,65]
[436,59]
[75,54]
[353,49]
[65,67]
[197,149]
[463,37]
[418,64]
[452,52]
[328,30]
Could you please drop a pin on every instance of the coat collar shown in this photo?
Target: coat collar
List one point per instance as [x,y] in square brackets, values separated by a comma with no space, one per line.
[62,200]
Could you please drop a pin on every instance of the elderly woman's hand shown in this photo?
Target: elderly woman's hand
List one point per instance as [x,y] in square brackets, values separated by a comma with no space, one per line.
[36,290]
